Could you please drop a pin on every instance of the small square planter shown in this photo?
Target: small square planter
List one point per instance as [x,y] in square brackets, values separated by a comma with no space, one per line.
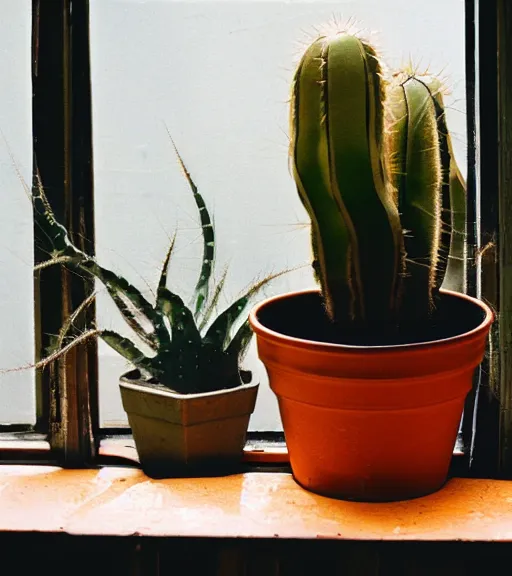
[187,434]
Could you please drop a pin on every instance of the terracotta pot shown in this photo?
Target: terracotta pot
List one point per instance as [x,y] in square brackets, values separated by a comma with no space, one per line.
[369,423]
[187,434]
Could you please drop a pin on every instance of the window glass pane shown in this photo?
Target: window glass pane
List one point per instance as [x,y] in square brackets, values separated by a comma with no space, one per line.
[17,399]
[217,74]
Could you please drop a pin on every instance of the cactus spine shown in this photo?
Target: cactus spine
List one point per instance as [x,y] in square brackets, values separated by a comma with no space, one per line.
[375,170]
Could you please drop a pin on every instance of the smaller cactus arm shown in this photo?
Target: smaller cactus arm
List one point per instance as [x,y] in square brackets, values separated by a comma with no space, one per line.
[162,283]
[420,199]
[453,233]
[446,161]
[455,278]
[208,233]
[396,139]
[309,155]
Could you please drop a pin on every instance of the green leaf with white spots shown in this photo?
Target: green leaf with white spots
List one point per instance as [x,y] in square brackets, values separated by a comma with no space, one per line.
[214,300]
[162,283]
[183,326]
[127,349]
[203,284]
[220,329]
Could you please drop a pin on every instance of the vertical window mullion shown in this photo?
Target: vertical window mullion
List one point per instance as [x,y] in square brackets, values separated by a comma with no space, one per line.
[486,438]
[472,238]
[63,160]
[504,387]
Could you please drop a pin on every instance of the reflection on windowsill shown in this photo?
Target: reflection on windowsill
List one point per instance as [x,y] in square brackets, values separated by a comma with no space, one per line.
[123,501]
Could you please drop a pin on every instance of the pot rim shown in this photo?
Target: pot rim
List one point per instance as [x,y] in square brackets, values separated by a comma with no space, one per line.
[138,384]
[260,328]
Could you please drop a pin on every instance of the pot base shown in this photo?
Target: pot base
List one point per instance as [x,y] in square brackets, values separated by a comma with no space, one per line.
[207,468]
[375,495]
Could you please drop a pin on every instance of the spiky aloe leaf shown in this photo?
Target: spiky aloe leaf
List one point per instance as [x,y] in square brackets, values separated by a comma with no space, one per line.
[127,349]
[54,262]
[203,283]
[220,330]
[202,287]
[56,234]
[127,301]
[68,324]
[240,341]
[181,319]
[57,354]
[162,283]
[337,153]
[237,349]
[135,320]
[213,301]
[123,293]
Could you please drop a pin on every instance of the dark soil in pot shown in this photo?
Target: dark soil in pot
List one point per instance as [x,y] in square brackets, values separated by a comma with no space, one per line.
[305,317]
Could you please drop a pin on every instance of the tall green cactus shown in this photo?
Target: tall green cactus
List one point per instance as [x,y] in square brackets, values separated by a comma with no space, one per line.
[337,157]
[372,163]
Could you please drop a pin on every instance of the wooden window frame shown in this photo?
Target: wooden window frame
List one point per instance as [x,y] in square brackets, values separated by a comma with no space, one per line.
[67,429]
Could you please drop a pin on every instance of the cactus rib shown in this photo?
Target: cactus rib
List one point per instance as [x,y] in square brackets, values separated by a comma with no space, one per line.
[341,179]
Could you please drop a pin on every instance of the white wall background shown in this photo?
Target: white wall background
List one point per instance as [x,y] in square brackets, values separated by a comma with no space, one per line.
[17,399]
[218,73]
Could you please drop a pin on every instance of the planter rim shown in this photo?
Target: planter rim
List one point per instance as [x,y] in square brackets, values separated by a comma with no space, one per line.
[137,384]
[260,328]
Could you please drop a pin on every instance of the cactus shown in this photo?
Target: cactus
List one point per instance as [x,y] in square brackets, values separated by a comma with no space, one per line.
[190,352]
[342,181]
[372,161]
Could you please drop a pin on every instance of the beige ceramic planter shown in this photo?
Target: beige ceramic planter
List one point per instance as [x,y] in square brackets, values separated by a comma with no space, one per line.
[187,434]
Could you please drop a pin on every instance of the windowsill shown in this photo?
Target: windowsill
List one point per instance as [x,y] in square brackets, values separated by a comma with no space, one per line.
[254,452]
[123,501]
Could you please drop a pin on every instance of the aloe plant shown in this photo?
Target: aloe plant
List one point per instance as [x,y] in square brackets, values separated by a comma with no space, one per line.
[191,351]
[372,162]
